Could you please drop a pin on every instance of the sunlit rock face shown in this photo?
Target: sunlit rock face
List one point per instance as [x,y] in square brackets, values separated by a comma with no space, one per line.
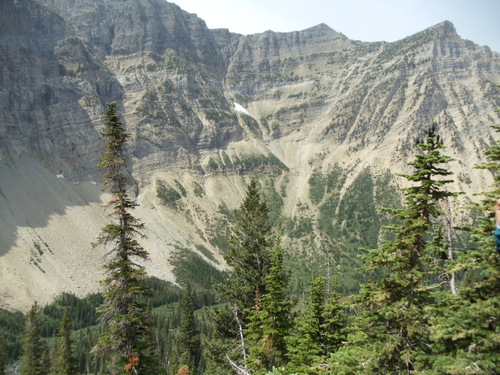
[315,115]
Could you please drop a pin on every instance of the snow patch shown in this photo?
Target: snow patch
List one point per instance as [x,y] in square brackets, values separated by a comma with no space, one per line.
[59,176]
[240,108]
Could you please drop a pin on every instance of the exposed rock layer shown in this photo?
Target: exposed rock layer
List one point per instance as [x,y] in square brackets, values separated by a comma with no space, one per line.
[314,101]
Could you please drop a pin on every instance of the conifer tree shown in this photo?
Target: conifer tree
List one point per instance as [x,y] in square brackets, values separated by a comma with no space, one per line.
[466,327]
[188,341]
[318,330]
[270,319]
[124,336]
[63,362]
[392,329]
[34,360]
[150,360]
[249,257]
[3,359]
[249,254]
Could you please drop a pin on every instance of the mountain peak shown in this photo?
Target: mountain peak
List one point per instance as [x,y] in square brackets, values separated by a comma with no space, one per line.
[445,28]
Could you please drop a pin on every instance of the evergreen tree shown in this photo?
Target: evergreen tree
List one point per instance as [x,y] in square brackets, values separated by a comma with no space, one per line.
[188,341]
[392,329]
[249,254]
[63,362]
[34,361]
[3,356]
[124,336]
[150,360]
[249,257]
[466,327]
[270,319]
[333,325]
[318,330]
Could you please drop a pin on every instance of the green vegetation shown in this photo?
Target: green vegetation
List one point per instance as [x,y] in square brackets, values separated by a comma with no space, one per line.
[167,194]
[198,190]
[246,163]
[190,267]
[221,118]
[158,111]
[251,123]
[124,338]
[423,307]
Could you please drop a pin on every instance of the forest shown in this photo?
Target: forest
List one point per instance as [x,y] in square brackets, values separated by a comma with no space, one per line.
[424,306]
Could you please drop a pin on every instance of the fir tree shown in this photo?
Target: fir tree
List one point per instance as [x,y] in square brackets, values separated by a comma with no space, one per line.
[270,319]
[466,327]
[150,360]
[249,257]
[34,360]
[392,329]
[63,362]
[318,330]
[249,254]
[3,356]
[124,336]
[188,341]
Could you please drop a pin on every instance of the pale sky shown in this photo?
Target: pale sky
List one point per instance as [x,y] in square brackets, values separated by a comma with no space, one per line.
[365,20]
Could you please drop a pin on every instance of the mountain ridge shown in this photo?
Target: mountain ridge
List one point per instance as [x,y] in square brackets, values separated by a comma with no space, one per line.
[326,117]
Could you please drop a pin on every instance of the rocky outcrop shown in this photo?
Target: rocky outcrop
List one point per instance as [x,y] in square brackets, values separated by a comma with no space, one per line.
[206,108]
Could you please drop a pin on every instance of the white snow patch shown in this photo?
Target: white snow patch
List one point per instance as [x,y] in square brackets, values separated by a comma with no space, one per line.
[240,108]
[59,176]
[93,183]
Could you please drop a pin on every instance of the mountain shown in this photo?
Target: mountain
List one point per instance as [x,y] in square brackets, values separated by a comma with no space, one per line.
[324,122]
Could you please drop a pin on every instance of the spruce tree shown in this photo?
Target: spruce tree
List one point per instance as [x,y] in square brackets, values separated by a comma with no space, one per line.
[34,361]
[3,359]
[318,330]
[392,328]
[270,318]
[465,328]
[249,258]
[123,319]
[63,362]
[188,342]
[249,255]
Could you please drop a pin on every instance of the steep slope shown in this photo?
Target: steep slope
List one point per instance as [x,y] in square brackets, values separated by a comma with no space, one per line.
[320,119]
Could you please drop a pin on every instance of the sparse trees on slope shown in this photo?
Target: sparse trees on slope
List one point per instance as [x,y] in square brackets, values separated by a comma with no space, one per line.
[392,329]
[124,336]
[34,358]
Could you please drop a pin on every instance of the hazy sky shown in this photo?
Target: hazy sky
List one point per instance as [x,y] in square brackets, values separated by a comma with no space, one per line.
[365,20]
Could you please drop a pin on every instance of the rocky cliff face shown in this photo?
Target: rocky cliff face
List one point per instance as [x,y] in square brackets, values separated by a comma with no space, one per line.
[320,118]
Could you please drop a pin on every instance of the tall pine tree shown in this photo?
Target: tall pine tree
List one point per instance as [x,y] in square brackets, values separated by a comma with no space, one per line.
[249,257]
[392,328]
[188,342]
[63,362]
[34,358]
[318,330]
[124,336]
[466,327]
[270,319]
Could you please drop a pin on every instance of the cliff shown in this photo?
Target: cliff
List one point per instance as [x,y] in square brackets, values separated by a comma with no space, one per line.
[316,116]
